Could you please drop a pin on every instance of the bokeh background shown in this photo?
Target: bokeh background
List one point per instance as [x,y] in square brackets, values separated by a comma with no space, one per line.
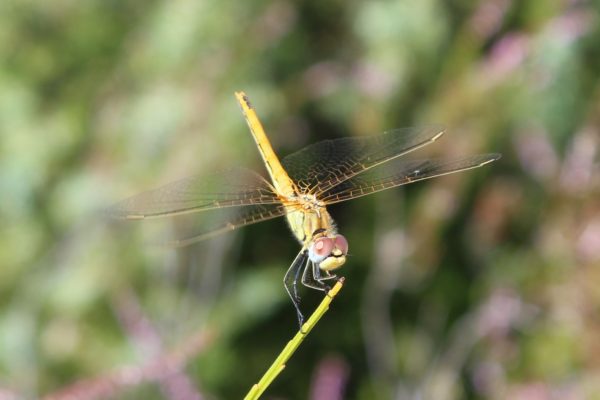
[484,284]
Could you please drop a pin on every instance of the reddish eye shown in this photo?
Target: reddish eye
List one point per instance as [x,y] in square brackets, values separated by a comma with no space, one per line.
[323,246]
[342,244]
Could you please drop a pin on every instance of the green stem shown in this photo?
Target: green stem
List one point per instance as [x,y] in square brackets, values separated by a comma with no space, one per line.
[279,364]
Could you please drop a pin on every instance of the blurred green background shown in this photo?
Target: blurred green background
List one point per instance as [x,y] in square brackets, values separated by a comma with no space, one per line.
[484,284]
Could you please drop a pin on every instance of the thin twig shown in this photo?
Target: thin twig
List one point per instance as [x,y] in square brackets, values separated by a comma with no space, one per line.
[279,364]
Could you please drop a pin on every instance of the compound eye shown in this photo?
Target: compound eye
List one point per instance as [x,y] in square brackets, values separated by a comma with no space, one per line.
[342,244]
[323,246]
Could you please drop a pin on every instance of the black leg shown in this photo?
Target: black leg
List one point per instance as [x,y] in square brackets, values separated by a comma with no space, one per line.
[290,281]
[312,278]
[321,278]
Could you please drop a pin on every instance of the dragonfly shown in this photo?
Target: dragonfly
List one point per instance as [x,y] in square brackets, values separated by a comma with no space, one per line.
[300,187]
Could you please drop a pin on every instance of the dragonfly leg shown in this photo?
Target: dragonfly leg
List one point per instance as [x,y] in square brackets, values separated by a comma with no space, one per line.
[320,278]
[312,278]
[290,282]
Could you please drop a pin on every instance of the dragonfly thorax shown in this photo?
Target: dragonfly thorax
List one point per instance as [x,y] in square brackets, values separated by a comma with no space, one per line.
[315,229]
[307,215]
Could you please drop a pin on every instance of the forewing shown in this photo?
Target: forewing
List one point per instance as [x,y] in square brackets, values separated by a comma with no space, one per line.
[320,167]
[400,172]
[230,188]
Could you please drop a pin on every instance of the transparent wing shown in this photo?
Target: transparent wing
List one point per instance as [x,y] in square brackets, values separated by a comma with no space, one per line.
[198,208]
[319,167]
[230,188]
[400,172]
[191,229]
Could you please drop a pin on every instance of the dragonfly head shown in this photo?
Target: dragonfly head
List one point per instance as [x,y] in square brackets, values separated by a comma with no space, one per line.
[329,252]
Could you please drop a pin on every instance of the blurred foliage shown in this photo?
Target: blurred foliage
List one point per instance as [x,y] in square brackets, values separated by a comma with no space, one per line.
[477,285]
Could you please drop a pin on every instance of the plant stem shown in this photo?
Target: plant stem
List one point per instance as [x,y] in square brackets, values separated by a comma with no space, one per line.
[279,364]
